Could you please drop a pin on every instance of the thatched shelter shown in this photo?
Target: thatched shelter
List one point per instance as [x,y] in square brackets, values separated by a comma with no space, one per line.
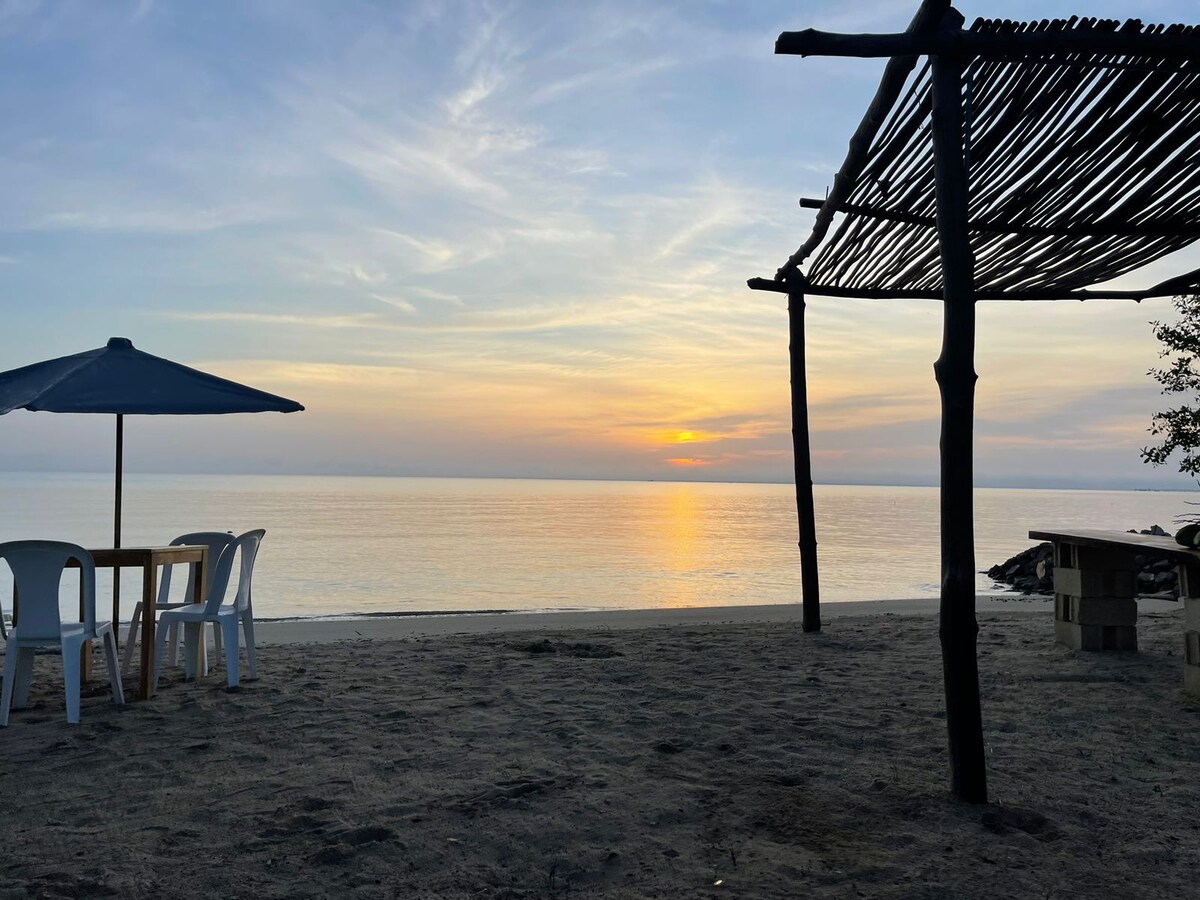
[1007,161]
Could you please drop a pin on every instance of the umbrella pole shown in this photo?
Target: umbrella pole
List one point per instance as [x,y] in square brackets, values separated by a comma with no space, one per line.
[117,504]
[117,520]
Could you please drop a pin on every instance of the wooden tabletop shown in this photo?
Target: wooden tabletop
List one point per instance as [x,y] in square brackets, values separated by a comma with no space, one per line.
[1098,537]
[127,557]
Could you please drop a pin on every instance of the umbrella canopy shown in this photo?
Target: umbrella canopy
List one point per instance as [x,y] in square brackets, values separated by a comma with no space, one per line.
[120,379]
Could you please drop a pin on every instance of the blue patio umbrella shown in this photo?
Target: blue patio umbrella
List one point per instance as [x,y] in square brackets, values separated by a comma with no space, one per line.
[121,380]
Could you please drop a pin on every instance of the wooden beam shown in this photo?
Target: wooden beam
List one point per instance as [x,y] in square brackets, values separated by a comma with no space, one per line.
[890,86]
[990,45]
[1116,227]
[955,371]
[810,593]
[1184,284]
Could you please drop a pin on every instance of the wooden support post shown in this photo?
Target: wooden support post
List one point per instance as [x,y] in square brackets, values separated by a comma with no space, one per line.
[801,452]
[955,371]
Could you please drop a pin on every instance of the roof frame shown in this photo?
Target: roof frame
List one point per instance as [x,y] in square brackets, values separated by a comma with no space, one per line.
[1057,156]
[1173,42]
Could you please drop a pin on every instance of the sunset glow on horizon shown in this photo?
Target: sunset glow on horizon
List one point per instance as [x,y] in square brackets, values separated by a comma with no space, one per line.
[688,462]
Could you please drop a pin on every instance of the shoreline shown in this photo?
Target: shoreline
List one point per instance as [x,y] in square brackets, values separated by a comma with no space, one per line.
[382,628]
[319,631]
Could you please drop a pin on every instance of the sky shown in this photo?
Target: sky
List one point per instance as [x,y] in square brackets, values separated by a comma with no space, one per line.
[504,239]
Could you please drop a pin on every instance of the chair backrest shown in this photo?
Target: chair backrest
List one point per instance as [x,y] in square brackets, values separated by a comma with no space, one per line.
[216,541]
[37,568]
[218,579]
[248,543]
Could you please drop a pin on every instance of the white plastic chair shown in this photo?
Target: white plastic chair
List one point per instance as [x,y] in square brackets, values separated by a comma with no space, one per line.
[244,600]
[216,541]
[37,568]
[240,612]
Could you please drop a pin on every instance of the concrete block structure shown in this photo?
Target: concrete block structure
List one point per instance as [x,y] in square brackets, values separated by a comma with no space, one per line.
[1094,591]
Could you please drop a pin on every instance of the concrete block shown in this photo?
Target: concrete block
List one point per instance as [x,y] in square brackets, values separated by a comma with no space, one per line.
[1119,583]
[1191,648]
[1103,611]
[1067,634]
[1189,579]
[1096,637]
[1104,558]
[1191,680]
[1191,613]
[1062,608]
[1075,557]
[1094,610]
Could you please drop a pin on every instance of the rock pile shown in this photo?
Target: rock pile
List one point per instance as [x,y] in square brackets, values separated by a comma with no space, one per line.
[1032,571]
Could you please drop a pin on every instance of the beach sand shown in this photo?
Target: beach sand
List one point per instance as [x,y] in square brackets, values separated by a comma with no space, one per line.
[686,760]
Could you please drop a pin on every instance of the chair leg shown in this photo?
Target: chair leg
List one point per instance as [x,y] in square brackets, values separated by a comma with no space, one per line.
[70,658]
[160,645]
[109,640]
[134,626]
[229,626]
[192,634]
[10,676]
[202,650]
[217,648]
[173,655]
[251,662]
[23,682]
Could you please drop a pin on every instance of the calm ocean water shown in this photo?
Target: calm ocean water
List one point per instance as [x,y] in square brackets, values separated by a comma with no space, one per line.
[338,546]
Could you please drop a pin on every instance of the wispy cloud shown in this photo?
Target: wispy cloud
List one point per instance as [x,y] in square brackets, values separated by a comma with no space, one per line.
[280,319]
[396,303]
[175,221]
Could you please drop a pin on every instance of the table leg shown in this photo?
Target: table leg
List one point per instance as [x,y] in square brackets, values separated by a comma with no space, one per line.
[198,596]
[85,651]
[148,621]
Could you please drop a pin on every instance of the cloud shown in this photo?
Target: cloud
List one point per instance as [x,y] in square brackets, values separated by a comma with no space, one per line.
[396,303]
[178,220]
[365,320]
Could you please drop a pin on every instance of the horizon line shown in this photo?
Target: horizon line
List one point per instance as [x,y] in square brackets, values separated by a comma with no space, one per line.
[1129,488]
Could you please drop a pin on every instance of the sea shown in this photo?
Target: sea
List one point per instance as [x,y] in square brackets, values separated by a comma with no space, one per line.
[363,546]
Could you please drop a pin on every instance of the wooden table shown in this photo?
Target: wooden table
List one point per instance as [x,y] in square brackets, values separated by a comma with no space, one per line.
[1095,590]
[148,559]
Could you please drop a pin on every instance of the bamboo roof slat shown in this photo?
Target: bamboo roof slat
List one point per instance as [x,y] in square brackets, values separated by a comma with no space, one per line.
[1082,152]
